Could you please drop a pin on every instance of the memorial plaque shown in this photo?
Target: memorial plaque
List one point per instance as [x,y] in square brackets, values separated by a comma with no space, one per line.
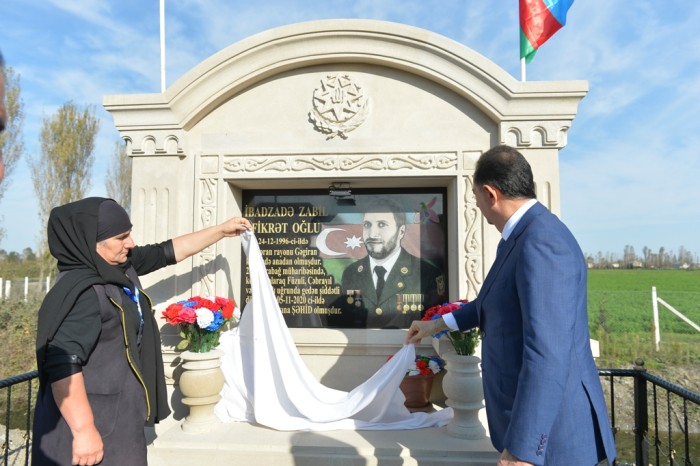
[361,259]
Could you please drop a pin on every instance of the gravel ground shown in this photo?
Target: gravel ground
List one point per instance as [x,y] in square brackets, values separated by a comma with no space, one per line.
[16,451]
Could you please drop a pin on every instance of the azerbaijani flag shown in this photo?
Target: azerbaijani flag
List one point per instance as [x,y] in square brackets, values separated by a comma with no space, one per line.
[539,20]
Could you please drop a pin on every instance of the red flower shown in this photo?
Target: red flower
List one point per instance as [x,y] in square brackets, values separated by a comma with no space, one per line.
[209,304]
[172,314]
[441,309]
[187,315]
[422,366]
[198,300]
[227,307]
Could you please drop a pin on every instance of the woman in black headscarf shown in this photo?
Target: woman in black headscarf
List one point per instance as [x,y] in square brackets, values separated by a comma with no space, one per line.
[98,346]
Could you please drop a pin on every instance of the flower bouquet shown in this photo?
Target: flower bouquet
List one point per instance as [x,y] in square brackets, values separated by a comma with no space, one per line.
[200,321]
[418,382]
[426,365]
[464,343]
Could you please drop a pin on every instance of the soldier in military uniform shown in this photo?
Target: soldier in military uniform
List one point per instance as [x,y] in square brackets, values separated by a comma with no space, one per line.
[390,287]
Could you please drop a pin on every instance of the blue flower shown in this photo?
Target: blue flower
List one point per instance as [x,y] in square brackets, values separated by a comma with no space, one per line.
[217,322]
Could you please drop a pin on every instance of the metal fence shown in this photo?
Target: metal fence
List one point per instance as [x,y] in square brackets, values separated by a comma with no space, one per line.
[24,288]
[673,410]
[669,442]
[18,419]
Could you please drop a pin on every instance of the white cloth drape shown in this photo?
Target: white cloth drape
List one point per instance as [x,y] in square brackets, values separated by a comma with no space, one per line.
[266,381]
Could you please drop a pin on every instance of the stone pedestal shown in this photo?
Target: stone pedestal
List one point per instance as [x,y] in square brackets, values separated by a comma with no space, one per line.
[201,382]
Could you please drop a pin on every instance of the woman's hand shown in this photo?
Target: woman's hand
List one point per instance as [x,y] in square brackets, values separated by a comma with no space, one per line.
[72,400]
[192,243]
[87,447]
[235,225]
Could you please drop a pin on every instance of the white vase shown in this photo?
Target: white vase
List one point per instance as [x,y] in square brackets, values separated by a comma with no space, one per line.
[465,395]
[201,382]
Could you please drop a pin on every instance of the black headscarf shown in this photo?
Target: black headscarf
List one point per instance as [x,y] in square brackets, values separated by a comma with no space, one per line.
[72,233]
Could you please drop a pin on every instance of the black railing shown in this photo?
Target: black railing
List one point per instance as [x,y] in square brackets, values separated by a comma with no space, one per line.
[671,436]
[671,446]
[18,418]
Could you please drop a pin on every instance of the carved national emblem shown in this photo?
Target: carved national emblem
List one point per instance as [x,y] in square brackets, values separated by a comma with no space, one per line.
[339,106]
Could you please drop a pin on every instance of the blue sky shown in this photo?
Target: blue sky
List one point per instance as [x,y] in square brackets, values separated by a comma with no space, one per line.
[630,174]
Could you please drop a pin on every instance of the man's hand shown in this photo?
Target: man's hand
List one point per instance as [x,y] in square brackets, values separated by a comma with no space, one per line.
[507,459]
[423,328]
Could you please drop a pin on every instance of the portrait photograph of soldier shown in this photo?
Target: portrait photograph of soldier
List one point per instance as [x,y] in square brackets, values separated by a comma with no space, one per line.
[374,259]
[389,287]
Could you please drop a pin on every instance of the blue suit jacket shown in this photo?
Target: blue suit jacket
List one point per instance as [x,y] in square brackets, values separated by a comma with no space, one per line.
[543,396]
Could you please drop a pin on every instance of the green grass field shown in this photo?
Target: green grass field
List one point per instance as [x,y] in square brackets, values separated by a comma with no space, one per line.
[621,315]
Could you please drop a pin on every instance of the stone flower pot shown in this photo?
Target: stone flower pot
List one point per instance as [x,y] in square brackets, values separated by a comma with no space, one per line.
[201,382]
[465,395]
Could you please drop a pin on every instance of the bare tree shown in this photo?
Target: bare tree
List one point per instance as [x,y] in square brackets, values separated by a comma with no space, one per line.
[118,182]
[662,257]
[684,256]
[11,143]
[647,256]
[629,257]
[653,260]
[61,173]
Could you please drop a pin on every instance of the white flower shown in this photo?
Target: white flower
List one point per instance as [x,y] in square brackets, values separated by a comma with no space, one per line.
[204,317]
[434,366]
[413,369]
[236,315]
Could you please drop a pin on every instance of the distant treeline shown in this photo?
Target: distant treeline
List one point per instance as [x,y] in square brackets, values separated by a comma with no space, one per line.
[661,259]
[15,266]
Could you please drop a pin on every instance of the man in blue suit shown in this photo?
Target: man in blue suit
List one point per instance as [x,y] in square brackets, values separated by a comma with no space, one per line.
[543,397]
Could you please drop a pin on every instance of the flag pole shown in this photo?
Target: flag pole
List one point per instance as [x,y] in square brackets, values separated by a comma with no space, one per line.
[522,69]
[162,45]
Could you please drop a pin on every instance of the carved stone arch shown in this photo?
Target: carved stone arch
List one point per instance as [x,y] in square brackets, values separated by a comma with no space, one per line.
[171,145]
[514,137]
[148,145]
[434,57]
[535,134]
[129,144]
[538,136]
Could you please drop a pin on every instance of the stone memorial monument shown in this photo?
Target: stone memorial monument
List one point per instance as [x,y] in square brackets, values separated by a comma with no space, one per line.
[303,129]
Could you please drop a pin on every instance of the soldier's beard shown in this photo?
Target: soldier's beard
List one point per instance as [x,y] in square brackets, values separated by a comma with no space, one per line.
[379,250]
